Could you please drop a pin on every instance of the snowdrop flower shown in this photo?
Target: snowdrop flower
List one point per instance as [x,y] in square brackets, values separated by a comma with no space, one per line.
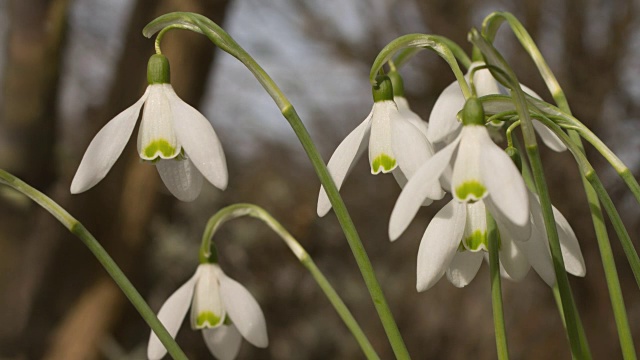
[177,138]
[443,121]
[222,308]
[395,145]
[481,170]
[455,243]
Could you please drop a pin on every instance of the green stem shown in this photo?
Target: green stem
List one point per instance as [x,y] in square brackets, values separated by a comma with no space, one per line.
[239,210]
[496,291]
[508,77]
[462,57]
[594,185]
[76,228]
[220,38]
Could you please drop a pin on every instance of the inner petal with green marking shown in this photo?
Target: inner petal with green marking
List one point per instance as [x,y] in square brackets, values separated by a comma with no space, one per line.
[470,190]
[207,319]
[384,161]
[160,148]
[476,241]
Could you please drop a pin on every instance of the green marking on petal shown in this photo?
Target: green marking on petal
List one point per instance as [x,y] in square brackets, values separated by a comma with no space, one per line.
[208,318]
[473,189]
[385,161]
[161,146]
[476,241]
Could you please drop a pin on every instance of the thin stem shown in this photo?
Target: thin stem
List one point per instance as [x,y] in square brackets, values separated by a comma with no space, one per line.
[221,39]
[76,228]
[239,210]
[496,291]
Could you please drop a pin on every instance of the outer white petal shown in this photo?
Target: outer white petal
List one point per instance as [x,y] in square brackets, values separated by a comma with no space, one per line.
[538,255]
[513,259]
[199,140]
[464,267]
[466,181]
[223,342]
[439,244]
[156,136]
[106,147]
[549,138]
[342,160]
[443,120]
[505,224]
[571,253]
[381,156]
[484,82]
[244,311]
[408,114]
[171,315]
[412,150]
[402,181]
[506,187]
[181,177]
[415,191]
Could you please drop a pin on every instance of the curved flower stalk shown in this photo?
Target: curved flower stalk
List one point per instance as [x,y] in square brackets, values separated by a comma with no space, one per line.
[395,145]
[481,170]
[177,138]
[443,118]
[222,308]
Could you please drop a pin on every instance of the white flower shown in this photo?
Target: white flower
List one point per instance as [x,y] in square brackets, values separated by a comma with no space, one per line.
[481,170]
[443,122]
[395,145]
[455,243]
[173,135]
[222,308]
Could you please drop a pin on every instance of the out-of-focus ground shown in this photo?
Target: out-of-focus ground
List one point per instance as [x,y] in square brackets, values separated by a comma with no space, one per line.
[70,66]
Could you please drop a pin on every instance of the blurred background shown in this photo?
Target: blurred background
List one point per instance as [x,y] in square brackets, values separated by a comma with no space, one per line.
[67,67]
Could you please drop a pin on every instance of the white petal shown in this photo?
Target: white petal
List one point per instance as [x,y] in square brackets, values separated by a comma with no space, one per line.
[443,120]
[506,187]
[381,156]
[408,114]
[106,147]
[244,311]
[199,140]
[484,82]
[171,315]
[466,181]
[156,136]
[549,138]
[538,255]
[417,189]
[207,310]
[505,224]
[342,160]
[464,267]
[402,181]
[439,244]
[181,177]
[223,342]
[412,150]
[475,229]
[513,259]
[571,253]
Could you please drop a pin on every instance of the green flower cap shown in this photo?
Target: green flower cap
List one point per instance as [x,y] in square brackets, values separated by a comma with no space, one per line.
[383,90]
[514,154]
[158,70]
[473,113]
[397,82]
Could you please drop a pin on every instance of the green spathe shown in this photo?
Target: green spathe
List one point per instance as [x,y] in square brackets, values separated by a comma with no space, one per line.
[208,318]
[385,161]
[161,146]
[158,71]
[472,189]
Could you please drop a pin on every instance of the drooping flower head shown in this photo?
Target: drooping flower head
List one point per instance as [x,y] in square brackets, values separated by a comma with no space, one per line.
[174,136]
[444,124]
[222,308]
[395,145]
